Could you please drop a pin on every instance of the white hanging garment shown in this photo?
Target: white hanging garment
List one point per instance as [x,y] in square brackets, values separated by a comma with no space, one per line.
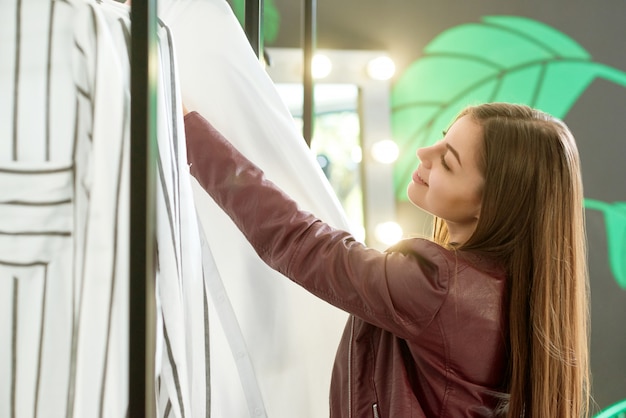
[182,374]
[291,336]
[38,236]
[64,186]
[98,386]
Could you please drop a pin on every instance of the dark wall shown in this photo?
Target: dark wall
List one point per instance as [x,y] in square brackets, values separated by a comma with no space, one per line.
[597,119]
[404,27]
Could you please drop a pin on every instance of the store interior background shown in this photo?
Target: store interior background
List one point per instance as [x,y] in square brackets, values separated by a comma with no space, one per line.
[351,32]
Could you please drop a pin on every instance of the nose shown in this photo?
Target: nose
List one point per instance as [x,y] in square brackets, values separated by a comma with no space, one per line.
[424,154]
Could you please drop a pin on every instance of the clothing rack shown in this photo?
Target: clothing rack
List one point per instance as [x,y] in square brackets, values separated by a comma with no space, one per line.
[308,48]
[142,321]
[253,22]
[142,307]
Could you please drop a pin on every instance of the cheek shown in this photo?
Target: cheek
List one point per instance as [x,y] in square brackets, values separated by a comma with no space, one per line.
[454,195]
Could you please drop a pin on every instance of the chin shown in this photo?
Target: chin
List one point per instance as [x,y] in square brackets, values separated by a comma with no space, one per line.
[413,195]
[419,206]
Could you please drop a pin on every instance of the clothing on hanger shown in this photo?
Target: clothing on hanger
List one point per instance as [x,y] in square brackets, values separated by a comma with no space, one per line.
[291,336]
[65,212]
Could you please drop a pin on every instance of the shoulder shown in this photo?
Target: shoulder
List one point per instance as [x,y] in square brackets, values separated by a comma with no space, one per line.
[433,260]
[427,252]
[423,250]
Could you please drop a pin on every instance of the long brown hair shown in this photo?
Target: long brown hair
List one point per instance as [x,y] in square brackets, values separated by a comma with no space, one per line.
[532,220]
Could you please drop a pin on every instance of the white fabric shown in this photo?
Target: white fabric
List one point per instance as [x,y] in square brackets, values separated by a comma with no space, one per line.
[64,191]
[98,384]
[37,203]
[182,350]
[234,337]
[291,336]
[185,376]
[64,221]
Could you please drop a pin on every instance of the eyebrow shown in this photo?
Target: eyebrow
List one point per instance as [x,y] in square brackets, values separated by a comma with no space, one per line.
[455,152]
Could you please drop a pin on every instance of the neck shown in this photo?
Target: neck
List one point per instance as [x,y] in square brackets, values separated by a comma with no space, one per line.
[459,234]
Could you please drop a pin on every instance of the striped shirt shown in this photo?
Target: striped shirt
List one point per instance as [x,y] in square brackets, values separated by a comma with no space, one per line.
[64,213]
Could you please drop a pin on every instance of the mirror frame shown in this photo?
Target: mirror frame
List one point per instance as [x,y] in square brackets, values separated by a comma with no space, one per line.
[350,67]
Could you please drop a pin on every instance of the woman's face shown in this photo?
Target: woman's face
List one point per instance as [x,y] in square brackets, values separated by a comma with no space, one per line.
[448,182]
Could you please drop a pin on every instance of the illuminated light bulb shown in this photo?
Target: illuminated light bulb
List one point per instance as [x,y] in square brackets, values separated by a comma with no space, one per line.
[385,151]
[388,233]
[381,68]
[321,66]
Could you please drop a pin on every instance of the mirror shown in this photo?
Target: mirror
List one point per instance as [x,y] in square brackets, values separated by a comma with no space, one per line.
[336,143]
[352,114]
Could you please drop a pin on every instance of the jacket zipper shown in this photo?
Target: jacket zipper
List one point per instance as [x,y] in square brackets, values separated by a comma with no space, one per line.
[375,410]
[350,368]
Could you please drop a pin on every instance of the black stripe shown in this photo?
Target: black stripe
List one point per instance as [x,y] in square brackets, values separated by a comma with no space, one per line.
[16,73]
[38,233]
[207,355]
[170,356]
[174,116]
[118,187]
[48,81]
[85,188]
[83,93]
[95,75]
[36,171]
[170,215]
[76,318]
[71,370]
[74,145]
[28,264]
[41,334]
[50,203]
[14,346]
[79,47]
[170,45]
[168,408]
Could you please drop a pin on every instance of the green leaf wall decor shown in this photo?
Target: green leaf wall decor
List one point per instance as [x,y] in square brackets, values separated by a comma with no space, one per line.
[500,59]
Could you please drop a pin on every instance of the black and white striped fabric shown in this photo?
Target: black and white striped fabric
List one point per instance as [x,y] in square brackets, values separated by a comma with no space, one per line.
[38,240]
[64,141]
[64,74]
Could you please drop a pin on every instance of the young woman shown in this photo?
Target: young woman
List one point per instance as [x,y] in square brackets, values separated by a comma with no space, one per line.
[487,319]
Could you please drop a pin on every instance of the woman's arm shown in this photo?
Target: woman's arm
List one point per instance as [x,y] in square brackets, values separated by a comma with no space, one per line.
[398,292]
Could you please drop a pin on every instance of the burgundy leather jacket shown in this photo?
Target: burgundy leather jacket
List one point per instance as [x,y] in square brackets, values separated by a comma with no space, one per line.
[426,335]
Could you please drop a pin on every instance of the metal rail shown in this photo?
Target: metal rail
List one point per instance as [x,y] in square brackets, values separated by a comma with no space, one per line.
[142,309]
[309,45]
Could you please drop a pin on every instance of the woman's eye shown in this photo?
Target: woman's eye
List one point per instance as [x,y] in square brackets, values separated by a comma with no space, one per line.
[444,164]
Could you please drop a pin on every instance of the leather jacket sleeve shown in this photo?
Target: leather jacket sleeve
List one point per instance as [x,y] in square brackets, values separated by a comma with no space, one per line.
[400,291]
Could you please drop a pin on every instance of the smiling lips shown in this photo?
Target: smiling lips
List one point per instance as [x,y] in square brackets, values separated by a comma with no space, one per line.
[418,179]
